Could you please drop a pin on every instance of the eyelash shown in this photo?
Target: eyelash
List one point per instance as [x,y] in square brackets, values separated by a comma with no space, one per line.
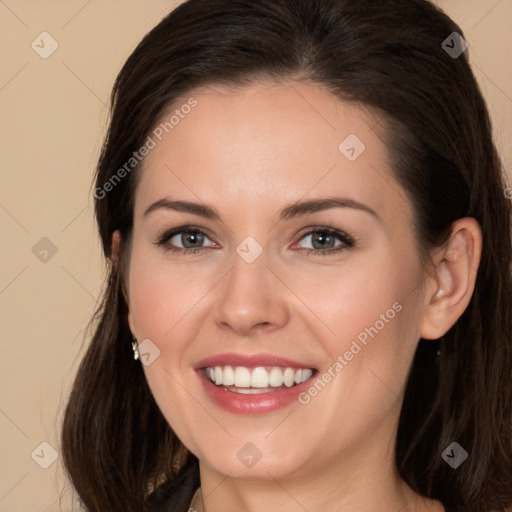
[348,241]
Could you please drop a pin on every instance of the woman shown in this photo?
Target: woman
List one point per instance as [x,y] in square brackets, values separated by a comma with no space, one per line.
[309,254]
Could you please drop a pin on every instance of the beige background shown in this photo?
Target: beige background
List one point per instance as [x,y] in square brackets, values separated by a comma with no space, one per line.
[54,116]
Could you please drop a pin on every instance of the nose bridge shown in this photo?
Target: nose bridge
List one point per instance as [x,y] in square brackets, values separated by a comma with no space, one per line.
[250,295]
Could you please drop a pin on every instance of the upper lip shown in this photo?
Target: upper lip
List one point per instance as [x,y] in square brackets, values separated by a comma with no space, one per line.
[249,360]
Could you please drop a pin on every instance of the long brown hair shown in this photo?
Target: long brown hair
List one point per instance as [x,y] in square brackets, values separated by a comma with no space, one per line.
[388,56]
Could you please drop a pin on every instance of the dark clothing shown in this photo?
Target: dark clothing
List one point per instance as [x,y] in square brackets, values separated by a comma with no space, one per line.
[175,496]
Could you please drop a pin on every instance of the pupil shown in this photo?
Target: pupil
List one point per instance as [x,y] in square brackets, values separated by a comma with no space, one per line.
[193,236]
[322,239]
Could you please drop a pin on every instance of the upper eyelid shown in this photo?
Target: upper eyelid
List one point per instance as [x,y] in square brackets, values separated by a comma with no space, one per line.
[340,234]
[182,229]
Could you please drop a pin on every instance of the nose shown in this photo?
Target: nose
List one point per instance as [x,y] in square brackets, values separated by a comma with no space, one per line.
[252,298]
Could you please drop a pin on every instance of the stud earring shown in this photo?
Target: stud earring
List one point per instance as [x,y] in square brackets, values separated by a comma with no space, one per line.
[135,347]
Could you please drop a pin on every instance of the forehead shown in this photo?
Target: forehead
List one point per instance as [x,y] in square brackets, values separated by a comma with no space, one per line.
[263,145]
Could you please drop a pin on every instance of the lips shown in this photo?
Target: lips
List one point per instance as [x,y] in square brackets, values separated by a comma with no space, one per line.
[250,361]
[248,399]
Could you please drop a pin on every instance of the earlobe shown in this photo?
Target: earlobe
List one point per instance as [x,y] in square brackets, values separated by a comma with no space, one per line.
[451,286]
[131,324]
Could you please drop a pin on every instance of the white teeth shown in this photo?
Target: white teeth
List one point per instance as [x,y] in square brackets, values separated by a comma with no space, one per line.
[289,376]
[242,377]
[276,377]
[229,376]
[306,374]
[259,377]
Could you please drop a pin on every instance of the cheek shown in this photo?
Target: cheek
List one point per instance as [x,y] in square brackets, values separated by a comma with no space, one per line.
[164,303]
[162,294]
[367,313]
[347,299]
[372,318]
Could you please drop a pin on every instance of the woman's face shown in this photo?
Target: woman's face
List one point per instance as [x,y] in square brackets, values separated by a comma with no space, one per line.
[262,277]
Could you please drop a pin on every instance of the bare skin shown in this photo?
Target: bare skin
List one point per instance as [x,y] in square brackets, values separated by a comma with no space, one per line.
[249,153]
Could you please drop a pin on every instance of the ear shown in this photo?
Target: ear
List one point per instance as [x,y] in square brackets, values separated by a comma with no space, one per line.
[451,286]
[115,255]
[115,247]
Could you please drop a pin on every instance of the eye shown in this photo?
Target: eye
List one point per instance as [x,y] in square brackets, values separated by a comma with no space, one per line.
[190,240]
[322,241]
[186,239]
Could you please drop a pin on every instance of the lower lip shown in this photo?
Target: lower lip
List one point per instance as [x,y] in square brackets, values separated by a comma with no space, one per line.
[253,404]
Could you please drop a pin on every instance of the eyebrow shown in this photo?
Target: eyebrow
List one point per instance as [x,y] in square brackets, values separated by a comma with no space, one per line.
[296,209]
